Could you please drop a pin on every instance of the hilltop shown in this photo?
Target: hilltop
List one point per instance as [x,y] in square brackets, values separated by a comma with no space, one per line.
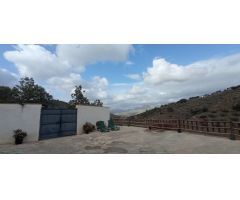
[218,106]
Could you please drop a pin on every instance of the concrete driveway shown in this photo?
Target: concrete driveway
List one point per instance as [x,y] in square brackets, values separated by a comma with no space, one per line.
[129,140]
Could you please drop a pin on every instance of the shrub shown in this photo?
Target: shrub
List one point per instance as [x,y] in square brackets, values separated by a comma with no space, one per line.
[88,127]
[235,87]
[203,116]
[236,107]
[170,109]
[182,101]
[234,119]
[212,116]
[223,115]
[191,98]
[235,114]
[225,110]
[194,111]
[198,111]
[217,92]
[204,109]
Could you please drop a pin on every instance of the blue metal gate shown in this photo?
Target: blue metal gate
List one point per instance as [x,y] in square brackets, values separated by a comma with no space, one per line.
[57,123]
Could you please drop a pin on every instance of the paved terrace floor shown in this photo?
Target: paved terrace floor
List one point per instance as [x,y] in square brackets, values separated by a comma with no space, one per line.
[129,140]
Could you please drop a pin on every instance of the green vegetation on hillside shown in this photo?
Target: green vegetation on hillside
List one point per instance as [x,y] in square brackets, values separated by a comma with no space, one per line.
[218,106]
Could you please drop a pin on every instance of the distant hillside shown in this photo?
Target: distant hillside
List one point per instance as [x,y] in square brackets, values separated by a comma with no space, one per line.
[218,106]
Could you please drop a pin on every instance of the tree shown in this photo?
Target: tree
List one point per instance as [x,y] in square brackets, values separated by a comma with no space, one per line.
[97,102]
[29,92]
[5,94]
[78,97]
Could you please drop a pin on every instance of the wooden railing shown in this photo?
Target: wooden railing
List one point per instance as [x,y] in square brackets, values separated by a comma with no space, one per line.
[218,128]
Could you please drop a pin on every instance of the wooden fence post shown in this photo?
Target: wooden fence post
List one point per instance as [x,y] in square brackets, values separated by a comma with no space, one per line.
[232,135]
[179,126]
[207,127]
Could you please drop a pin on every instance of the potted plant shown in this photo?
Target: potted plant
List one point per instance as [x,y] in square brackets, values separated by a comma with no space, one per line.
[88,127]
[19,135]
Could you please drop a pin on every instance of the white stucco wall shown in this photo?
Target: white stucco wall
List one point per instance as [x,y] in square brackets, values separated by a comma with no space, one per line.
[15,116]
[91,114]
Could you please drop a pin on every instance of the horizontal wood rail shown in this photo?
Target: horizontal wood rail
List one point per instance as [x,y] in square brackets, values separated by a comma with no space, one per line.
[218,128]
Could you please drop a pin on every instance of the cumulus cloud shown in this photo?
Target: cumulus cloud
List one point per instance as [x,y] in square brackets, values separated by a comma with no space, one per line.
[7,78]
[36,61]
[84,54]
[66,83]
[163,71]
[133,76]
[97,88]
[133,94]
[136,90]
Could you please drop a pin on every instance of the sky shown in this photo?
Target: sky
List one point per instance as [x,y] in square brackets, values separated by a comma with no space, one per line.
[124,76]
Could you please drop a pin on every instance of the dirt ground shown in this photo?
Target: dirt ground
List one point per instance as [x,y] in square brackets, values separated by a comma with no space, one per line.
[129,140]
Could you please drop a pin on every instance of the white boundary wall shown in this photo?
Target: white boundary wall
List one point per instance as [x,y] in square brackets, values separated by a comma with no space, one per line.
[15,116]
[91,114]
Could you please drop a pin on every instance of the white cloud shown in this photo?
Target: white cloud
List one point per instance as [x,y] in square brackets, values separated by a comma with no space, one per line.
[97,88]
[7,78]
[163,71]
[129,63]
[136,90]
[133,76]
[130,95]
[165,82]
[66,83]
[213,72]
[36,61]
[84,54]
